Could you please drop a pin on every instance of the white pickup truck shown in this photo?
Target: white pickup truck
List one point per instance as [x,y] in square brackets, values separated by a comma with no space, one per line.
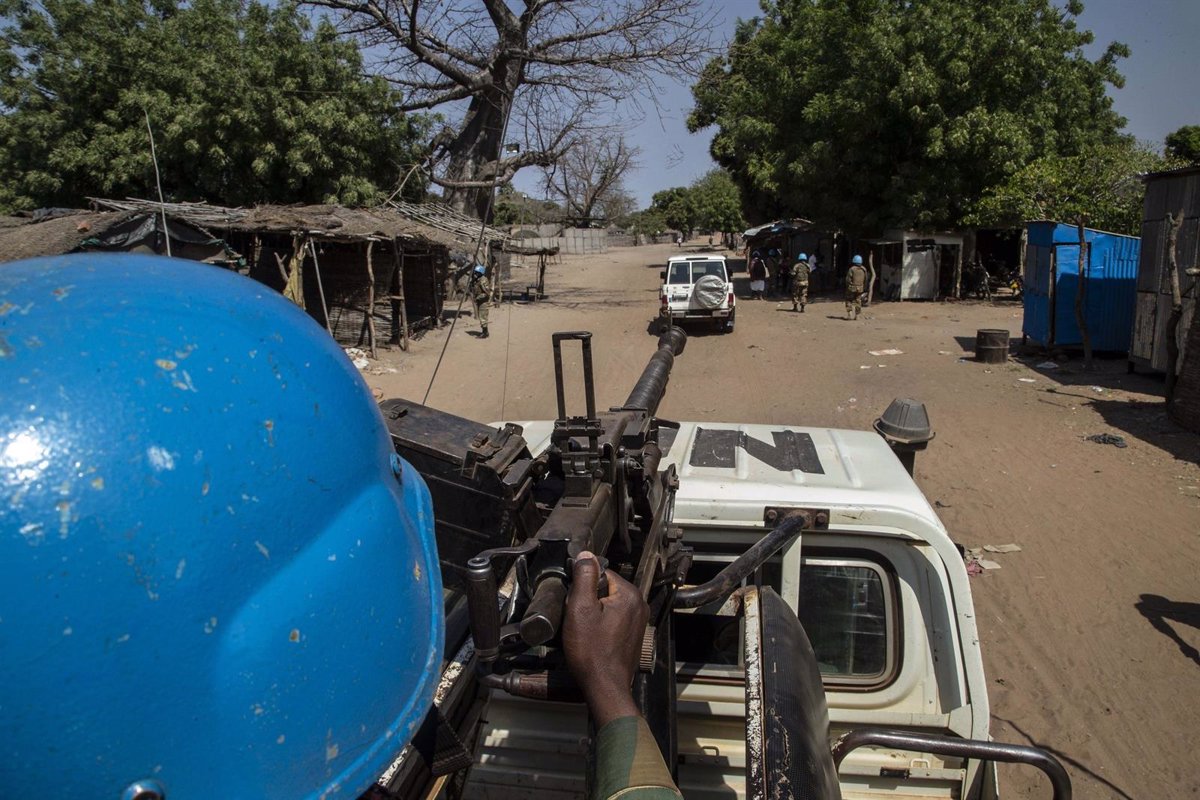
[815,634]
[697,288]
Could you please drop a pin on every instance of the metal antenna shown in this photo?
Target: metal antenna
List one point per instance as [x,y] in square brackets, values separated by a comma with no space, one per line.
[478,246]
[162,207]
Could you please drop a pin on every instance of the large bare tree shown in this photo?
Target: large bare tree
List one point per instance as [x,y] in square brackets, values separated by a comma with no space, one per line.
[534,72]
[588,177]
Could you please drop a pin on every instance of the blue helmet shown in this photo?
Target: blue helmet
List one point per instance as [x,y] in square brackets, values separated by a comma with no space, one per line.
[480,269]
[802,257]
[219,579]
[856,260]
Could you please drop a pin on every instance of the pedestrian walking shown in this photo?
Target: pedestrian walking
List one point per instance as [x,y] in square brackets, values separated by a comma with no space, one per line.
[856,284]
[800,276]
[758,275]
[481,293]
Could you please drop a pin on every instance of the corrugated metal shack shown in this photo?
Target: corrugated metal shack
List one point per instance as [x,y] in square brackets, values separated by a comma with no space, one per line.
[1166,193]
[918,266]
[1052,270]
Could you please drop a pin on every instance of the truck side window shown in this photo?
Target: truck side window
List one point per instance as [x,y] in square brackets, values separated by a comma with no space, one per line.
[845,607]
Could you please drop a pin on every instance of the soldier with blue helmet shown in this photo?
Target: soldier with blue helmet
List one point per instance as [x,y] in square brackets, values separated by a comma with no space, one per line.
[481,294]
[201,528]
[220,580]
[856,284]
[800,276]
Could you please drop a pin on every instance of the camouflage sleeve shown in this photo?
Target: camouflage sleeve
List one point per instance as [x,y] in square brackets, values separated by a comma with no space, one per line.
[629,765]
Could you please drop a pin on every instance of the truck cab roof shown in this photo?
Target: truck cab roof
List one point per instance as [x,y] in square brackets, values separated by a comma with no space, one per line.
[730,471]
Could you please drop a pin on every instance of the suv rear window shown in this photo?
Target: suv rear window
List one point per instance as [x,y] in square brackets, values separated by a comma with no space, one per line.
[679,271]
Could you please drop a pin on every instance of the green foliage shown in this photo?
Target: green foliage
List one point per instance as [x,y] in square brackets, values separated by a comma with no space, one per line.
[1102,184]
[717,202]
[249,104]
[712,202]
[649,222]
[517,208]
[675,207]
[1184,144]
[864,114]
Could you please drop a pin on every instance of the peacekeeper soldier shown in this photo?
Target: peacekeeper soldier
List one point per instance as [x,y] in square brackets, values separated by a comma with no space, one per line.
[856,284]
[202,521]
[481,294]
[230,491]
[602,639]
[800,276]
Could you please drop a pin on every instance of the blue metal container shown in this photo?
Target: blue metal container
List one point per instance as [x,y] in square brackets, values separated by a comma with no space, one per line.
[1052,269]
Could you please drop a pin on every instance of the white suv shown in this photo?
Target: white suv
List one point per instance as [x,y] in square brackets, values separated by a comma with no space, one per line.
[697,287]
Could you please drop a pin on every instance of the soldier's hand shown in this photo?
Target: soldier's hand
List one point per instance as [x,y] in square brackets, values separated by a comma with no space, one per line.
[602,639]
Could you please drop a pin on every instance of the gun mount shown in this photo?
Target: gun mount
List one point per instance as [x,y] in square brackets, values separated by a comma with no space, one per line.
[512,515]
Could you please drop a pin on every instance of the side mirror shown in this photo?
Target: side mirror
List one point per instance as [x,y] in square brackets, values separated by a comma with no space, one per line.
[662,276]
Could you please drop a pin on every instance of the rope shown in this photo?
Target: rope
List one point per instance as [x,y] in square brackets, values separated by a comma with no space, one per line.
[507,345]
[475,259]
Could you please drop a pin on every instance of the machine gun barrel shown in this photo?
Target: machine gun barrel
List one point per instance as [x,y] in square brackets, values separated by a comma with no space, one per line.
[652,385]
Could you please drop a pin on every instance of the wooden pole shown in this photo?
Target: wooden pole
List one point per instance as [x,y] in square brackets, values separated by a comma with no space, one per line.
[371,300]
[398,257]
[1080,293]
[870,275]
[312,248]
[958,263]
[1172,332]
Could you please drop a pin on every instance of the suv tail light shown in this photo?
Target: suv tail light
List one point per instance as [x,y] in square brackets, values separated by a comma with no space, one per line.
[731,298]
[663,298]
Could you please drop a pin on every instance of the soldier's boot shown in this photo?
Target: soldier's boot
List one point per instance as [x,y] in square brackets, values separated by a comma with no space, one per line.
[484,335]
[802,305]
[794,308]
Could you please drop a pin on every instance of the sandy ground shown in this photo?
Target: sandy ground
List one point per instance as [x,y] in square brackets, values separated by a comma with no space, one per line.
[1090,633]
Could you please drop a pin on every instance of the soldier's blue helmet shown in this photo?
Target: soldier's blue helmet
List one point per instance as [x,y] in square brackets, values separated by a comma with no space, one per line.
[219,580]
[480,269]
[802,257]
[856,260]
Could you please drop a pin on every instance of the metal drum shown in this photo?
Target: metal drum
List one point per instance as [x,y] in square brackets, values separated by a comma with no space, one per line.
[991,345]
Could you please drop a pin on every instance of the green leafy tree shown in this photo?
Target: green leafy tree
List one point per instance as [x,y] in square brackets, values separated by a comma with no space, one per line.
[1102,184]
[676,208]
[1184,144]
[648,221]
[863,114]
[717,202]
[249,103]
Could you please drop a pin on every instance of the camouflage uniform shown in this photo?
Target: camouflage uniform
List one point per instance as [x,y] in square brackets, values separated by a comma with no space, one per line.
[481,294]
[800,276]
[629,764]
[856,284]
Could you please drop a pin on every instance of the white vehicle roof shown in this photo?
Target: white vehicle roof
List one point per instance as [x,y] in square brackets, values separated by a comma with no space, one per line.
[728,472]
[697,257]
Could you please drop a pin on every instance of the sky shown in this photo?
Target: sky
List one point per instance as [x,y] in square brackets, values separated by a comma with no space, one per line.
[1159,96]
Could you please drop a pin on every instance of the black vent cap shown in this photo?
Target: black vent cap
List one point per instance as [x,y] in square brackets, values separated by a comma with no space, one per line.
[905,422]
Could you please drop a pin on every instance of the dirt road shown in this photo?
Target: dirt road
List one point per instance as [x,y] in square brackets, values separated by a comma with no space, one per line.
[1090,633]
